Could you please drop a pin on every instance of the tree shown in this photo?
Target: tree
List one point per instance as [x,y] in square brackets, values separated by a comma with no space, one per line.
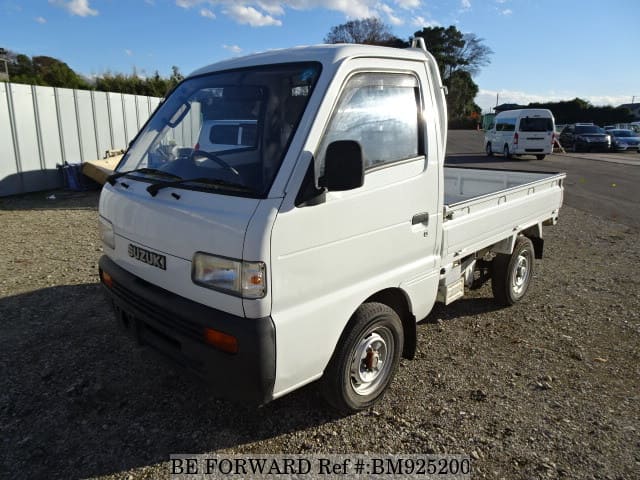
[454,50]
[49,71]
[445,44]
[579,110]
[462,91]
[459,57]
[368,31]
[474,53]
[176,77]
[55,73]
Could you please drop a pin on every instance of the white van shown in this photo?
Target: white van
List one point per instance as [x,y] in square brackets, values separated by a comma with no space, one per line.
[521,132]
[222,135]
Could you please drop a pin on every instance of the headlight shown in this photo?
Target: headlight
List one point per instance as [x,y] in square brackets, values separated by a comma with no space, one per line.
[246,279]
[106,233]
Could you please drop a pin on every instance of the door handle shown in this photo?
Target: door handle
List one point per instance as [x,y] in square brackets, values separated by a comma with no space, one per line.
[422,217]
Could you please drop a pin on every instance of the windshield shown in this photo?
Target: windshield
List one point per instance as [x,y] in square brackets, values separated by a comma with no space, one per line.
[589,129]
[531,124]
[231,127]
[622,133]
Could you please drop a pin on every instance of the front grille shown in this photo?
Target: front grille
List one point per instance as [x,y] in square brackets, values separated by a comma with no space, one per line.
[157,314]
[533,150]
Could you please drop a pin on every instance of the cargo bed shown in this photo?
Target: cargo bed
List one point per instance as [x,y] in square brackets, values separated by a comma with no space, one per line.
[484,206]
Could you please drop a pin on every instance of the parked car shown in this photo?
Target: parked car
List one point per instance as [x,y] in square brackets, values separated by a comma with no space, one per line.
[623,139]
[585,137]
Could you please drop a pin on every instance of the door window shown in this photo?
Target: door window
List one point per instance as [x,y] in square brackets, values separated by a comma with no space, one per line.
[381,112]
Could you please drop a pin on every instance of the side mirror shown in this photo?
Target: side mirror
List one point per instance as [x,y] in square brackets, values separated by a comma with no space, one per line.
[343,166]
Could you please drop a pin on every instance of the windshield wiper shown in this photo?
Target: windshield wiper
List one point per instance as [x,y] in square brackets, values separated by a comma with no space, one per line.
[214,182]
[114,176]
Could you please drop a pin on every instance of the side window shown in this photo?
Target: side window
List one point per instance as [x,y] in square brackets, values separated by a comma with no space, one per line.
[381,112]
[506,125]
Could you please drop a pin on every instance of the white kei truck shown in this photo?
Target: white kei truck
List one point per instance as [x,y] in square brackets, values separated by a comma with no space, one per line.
[309,248]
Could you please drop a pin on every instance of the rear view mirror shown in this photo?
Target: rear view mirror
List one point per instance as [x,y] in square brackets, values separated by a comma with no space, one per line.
[179,115]
[343,166]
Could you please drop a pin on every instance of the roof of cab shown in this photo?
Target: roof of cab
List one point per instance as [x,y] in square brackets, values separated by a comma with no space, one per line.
[325,54]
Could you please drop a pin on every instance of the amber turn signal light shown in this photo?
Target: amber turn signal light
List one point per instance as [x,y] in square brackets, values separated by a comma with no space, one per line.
[222,341]
[106,279]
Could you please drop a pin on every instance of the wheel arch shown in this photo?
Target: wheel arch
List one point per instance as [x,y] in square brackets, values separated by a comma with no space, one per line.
[534,233]
[398,300]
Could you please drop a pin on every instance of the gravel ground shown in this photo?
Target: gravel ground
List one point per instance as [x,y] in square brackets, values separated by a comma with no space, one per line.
[549,388]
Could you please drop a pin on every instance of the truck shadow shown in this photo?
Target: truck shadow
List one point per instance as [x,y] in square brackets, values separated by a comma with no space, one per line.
[79,399]
[52,200]
[465,307]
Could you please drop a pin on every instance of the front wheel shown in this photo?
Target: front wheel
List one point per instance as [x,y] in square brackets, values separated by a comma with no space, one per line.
[540,157]
[511,274]
[489,150]
[365,360]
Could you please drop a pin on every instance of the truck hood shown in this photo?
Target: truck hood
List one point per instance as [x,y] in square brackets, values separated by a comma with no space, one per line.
[178,225]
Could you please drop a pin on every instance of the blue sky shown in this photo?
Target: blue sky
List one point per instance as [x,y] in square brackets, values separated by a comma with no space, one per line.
[543,50]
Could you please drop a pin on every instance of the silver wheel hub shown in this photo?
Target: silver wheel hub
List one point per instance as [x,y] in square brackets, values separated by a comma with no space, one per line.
[520,274]
[371,361]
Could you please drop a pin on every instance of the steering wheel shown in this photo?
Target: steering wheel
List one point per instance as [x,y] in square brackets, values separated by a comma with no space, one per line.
[215,158]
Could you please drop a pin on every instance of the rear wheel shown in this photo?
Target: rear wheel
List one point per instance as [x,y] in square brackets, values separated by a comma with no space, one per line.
[489,150]
[511,274]
[506,152]
[365,360]
[540,157]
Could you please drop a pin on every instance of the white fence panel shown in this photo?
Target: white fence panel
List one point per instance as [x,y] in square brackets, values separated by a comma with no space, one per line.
[89,148]
[102,122]
[9,182]
[68,125]
[49,131]
[26,136]
[130,117]
[118,136]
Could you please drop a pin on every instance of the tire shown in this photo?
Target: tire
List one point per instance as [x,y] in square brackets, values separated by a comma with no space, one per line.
[511,274]
[374,335]
[540,157]
[489,150]
[506,152]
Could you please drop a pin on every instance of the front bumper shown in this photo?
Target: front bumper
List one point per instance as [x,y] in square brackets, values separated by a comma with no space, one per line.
[174,326]
[624,147]
[588,146]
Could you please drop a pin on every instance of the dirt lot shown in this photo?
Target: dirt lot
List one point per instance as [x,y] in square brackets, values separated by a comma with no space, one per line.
[549,388]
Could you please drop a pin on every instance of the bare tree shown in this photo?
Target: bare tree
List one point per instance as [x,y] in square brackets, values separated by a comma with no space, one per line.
[474,54]
[454,50]
[369,31]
